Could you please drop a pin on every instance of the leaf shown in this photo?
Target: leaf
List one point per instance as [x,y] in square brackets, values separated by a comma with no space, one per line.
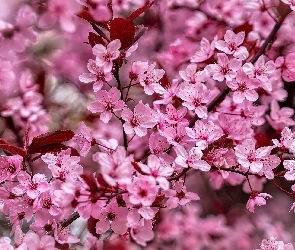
[5,145]
[140,11]
[42,142]
[124,30]
[95,39]
[91,182]
[137,168]
[101,181]
[246,27]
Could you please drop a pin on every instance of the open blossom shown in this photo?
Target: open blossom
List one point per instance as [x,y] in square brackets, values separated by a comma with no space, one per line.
[224,69]
[83,138]
[191,159]
[205,51]
[62,12]
[231,45]
[257,199]
[142,232]
[287,140]
[158,169]
[139,120]
[142,190]
[272,243]
[250,157]
[179,196]
[196,97]
[243,88]
[9,166]
[98,75]
[113,217]
[35,242]
[107,103]
[287,67]
[262,71]
[290,166]
[106,55]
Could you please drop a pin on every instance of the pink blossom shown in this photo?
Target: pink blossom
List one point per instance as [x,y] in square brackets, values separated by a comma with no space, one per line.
[113,217]
[33,187]
[97,74]
[224,69]
[261,71]
[250,157]
[84,139]
[205,51]
[106,55]
[257,199]
[196,98]
[287,140]
[9,166]
[99,10]
[5,243]
[61,11]
[272,243]
[142,232]
[107,103]
[243,87]
[34,242]
[179,196]
[280,117]
[191,159]
[92,242]
[190,74]
[175,116]
[169,93]
[286,66]
[231,45]
[290,166]
[158,169]
[139,120]
[142,190]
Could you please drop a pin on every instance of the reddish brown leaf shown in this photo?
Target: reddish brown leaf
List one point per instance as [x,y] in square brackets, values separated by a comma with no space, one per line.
[141,10]
[90,181]
[41,142]
[137,168]
[246,27]
[95,39]
[101,181]
[124,30]
[159,198]
[5,145]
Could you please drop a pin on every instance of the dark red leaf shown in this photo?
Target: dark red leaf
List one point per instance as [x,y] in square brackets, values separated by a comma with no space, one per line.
[85,14]
[5,145]
[91,226]
[159,198]
[95,39]
[246,27]
[141,10]
[91,182]
[124,30]
[41,142]
[137,168]
[101,181]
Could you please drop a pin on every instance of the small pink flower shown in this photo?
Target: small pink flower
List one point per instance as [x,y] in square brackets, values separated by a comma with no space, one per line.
[106,55]
[107,103]
[287,67]
[205,51]
[179,196]
[224,69]
[257,199]
[231,45]
[97,74]
[92,242]
[83,138]
[113,217]
[35,242]
[143,190]
[139,120]
[9,166]
[142,232]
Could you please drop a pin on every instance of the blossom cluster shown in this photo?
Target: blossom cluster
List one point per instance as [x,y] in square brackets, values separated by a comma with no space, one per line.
[121,127]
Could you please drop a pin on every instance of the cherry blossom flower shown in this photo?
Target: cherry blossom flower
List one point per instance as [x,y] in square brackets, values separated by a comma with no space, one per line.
[272,243]
[191,159]
[107,103]
[257,199]
[224,69]
[179,196]
[97,74]
[63,166]
[231,44]
[84,139]
[139,120]
[157,169]
[106,55]
[243,87]
[142,232]
[287,140]
[34,242]
[61,11]
[5,243]
[280,117]
[33,187]
[250,157]
[169,93]
[9,166]
[196,98]
[142,190]
[290,166]
[205,51]
[113,217]
[99,10]
[190,74]
[175,116]
[92,242]
[286,66]
[262,71]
